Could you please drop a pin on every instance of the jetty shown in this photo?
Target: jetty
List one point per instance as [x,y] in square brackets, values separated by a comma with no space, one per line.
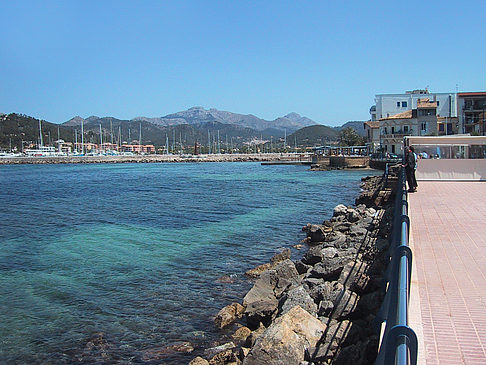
[150,158]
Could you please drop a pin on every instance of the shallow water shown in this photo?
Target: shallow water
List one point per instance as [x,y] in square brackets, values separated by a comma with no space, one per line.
[100,263]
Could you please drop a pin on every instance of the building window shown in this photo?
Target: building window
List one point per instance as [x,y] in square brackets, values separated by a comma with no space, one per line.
[423,126]
[437,102]
[404,104]
[398,104]
[441,127]
[393,130]
[405,129]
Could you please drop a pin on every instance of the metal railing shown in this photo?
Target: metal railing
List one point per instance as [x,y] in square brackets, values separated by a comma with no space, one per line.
[399,342]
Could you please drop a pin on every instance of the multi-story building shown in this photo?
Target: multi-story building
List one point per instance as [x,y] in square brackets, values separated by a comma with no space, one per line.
[372,130]
[471,107]
[420,121]
[388,105]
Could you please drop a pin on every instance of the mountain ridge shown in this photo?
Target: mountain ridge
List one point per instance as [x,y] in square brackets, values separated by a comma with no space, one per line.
[197,114]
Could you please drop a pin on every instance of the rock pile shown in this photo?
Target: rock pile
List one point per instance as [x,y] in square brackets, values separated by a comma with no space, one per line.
[319,309]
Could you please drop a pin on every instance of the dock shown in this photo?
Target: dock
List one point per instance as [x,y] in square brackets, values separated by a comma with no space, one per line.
[448,289]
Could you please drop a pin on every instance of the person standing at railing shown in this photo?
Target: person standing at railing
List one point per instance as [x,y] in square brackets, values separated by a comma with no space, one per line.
[410,167]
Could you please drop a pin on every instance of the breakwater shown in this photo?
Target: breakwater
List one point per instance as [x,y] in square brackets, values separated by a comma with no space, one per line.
[256,157]
[319,309]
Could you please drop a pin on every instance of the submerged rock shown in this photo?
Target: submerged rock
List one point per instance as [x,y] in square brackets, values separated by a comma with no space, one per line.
[158,353]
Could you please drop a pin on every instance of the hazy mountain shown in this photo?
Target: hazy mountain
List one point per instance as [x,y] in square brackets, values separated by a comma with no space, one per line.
[291,122]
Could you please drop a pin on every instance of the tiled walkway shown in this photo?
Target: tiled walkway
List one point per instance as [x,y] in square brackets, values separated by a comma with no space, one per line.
[448,239]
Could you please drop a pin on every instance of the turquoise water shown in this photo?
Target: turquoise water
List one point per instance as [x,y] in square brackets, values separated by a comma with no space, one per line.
[133,252]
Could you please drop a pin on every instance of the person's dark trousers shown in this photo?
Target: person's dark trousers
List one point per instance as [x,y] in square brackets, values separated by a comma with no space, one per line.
[414,180]
[410,178]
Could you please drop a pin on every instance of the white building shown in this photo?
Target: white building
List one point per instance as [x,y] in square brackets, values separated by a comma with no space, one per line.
[388,105]
[420,121]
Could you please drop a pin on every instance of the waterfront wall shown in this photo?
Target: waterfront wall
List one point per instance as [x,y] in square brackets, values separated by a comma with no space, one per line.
[152,158]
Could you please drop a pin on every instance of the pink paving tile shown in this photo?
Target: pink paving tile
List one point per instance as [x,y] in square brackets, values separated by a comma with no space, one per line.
[448,239]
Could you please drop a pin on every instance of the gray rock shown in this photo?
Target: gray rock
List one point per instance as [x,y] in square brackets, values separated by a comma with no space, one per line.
[261,301]
[287,339]
[357,230]
[316,233]
[297,296]
[321,291]
[328,269]
[318,253]
[354,276]
[338,240]
[344,304]
[336,334]
[302,268]
[325,308]
[342,227]
[353,215]
[339,210]
[286,276]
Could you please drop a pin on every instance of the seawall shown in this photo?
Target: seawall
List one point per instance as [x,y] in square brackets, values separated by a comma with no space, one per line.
[150,158]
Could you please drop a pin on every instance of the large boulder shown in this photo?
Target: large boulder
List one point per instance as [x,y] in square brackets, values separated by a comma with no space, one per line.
[340,209]
[261,301]
[329,269]
[318,253]
[315,233]
[287,339]
[297,296]
[229,314]
[322,291]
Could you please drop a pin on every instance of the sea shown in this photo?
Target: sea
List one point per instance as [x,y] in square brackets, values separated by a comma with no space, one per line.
[123,263]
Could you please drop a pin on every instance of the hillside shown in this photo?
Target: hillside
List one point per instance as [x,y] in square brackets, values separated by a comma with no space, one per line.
[358,126]
[316,135]
[15,128]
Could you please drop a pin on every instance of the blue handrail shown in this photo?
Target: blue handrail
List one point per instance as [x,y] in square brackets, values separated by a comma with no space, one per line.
[399,341]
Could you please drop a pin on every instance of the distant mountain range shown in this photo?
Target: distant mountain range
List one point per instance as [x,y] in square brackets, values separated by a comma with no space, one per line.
[198,115]
[193,125]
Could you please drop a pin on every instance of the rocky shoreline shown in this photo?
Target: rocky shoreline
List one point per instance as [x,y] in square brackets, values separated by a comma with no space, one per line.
[319,309]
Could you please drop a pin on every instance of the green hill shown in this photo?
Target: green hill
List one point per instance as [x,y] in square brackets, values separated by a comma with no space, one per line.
[315,135]
[15,128]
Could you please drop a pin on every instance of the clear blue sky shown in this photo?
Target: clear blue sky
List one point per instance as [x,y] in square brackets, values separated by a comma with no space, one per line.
[325,60]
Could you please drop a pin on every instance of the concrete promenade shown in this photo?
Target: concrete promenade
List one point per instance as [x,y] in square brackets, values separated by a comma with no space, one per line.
[448,293]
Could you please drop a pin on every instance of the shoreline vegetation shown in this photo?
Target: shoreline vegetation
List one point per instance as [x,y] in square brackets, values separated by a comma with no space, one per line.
[319,309]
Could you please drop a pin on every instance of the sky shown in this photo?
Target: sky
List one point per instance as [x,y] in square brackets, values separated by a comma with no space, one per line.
[324,60]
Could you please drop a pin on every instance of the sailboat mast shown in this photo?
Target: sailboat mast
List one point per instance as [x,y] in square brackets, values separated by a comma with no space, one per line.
[40,133]
[101,139]
[82,137]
